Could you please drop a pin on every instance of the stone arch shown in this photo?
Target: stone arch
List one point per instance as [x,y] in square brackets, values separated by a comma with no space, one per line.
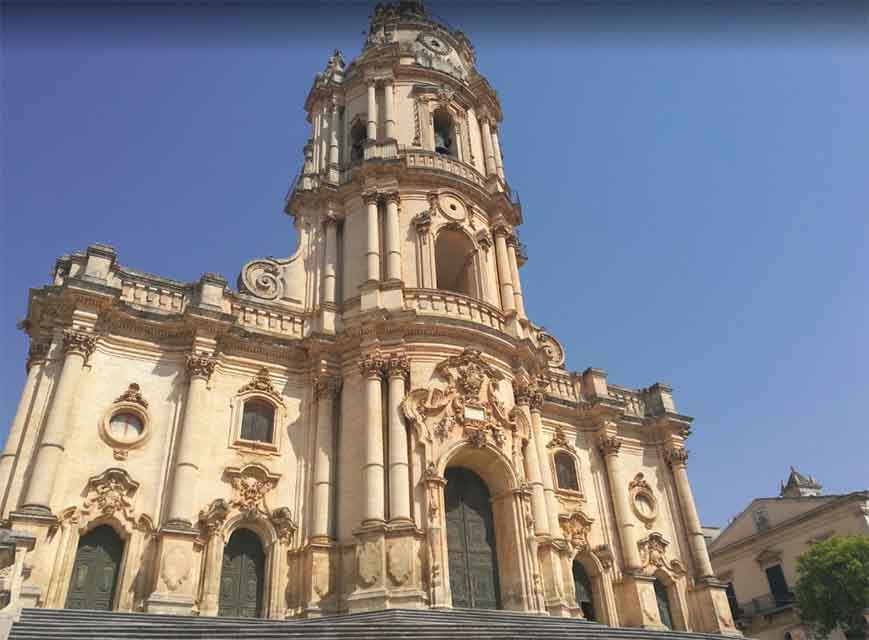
[678,606]
[244,530]
[456,261]
[601,585]
[487,461]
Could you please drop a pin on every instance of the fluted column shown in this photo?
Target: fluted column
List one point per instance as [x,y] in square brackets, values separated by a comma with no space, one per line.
[322,525]
[372,111]
[372,251]
[508,299]
[35,364]
[536,406]
[488,152]
[512,241]
[388,108]
[77,347]
[609,447]
[398,371]
[678,459]
[191,441]
[532,467]
[496,150]
[372,470]
[329,259]
[393,242]
[333,136]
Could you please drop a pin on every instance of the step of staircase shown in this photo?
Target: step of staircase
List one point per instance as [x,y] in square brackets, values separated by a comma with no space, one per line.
[397,624]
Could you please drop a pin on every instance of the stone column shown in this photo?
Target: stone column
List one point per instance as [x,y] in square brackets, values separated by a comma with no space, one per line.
[388,108]
[609,447]
[322,525]
[191,441]
[488,152]
[512,241]
[329,259]
[532,467]
[678,459]
[393,235]
[35,364]
[496,149]
[372,251]
[372,471]
[536,405]
[325,127]
[372,111]
[333,136]
[77,347]
[398,370]
[508,299]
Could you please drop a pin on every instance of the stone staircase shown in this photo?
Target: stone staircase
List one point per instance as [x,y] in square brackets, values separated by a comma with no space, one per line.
[455,624]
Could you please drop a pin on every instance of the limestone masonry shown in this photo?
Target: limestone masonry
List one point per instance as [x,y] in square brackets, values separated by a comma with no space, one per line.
[372,422]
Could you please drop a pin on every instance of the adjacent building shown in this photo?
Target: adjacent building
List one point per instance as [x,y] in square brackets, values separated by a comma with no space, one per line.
[373,421]
[756,554]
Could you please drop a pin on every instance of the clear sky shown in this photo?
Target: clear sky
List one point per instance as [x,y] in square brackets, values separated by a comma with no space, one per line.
[695,189]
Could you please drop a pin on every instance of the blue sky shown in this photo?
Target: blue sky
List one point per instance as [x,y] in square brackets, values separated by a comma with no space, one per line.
[695,190]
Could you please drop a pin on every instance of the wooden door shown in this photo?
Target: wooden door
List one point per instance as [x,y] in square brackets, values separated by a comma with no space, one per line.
[241,580]
[471,541]
[584,595]
[95,571]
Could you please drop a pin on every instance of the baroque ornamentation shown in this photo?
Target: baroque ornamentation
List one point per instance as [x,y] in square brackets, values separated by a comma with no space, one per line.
[369,563]
[576,527]
[677,457]
[262,279]
[643,501]
[211,518]
[371,365]
[110,494]
[399,561]
[37,352]
[653,555]
[133,394]
[559,440]
[468,401]
[200,365]
[326,386]
[251,484]
[261,384]
[79,342]
[552,348]
[284,524]
[397,365]
[609,445]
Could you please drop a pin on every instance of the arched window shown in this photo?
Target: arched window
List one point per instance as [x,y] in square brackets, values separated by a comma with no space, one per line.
[444,133]
[565,471]
[454,257]
[257,423]
[357,142]
[584,596]
[663,599]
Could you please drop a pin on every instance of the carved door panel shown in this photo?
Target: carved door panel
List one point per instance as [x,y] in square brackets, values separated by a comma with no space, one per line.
[470,541]
[241,579]
[95,571]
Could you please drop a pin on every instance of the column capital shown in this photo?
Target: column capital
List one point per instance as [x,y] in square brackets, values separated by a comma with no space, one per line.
[484,240]
[371,365]
[371,82]
[521,393]
[500,230]
[37,353]
[329,220]
[397,366]
[677,457]
[392,196]
[200,365]
[370,197]
[79,342]
[609,445]
[326,386]
[512,240]
[536,400]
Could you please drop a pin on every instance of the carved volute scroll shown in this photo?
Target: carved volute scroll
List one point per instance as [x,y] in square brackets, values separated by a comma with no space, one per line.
[576,527]
[653,555]
[262,279]
[79,342]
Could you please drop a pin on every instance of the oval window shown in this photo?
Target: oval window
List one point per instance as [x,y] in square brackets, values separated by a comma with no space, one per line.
[125,427]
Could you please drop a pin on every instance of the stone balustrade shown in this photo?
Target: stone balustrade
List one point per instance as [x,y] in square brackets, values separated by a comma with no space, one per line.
[455,305]
[148,295]
[421,159]
[634,404]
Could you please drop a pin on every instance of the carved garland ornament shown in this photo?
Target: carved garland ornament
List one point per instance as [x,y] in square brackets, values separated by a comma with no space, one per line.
[79,343]
[133,394]
[653,554]
[251,484]
[468,402]
[110,494]
[559,440]
[576,527]
[261,384]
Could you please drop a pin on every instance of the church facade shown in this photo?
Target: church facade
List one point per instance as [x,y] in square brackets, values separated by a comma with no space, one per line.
[372,422]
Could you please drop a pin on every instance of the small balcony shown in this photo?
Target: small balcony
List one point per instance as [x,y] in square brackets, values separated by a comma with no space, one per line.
[765,605]
[437,302]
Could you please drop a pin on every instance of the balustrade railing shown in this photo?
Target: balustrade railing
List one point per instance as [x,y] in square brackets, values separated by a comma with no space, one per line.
[765,604]
[455,305]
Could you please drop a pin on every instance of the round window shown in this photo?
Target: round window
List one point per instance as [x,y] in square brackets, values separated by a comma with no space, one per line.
[644,505]
[125,427]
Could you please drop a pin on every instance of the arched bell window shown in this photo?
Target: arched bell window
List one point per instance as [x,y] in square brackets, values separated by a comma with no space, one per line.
[358,134]
[258,420]
[454,259]
[565,471]
[444,134]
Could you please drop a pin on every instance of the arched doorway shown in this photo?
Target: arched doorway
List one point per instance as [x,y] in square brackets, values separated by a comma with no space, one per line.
[454,261]
[584,593]
[471,541]
[663,598]
[95,571]
[241,579]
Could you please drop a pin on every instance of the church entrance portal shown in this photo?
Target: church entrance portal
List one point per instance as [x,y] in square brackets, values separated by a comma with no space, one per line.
[470,541]
[95,572]
[241,580]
